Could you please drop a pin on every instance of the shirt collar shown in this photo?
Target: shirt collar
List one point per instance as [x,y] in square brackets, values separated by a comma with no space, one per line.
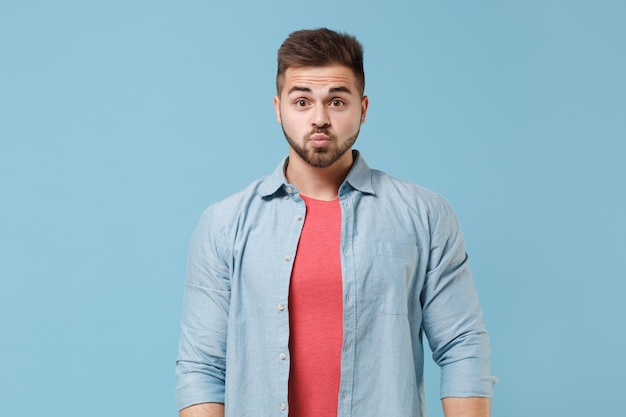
[359,177]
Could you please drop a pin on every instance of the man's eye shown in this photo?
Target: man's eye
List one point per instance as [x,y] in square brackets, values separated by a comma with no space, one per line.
[337,103]
[300,103]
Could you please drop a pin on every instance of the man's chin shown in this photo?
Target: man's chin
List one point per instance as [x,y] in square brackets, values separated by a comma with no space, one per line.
[318,156]
[322,158]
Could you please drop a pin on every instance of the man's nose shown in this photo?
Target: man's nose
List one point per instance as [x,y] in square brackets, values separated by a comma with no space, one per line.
[321,117]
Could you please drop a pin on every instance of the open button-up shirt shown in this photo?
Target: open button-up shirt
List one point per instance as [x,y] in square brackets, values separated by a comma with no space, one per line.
[405,274]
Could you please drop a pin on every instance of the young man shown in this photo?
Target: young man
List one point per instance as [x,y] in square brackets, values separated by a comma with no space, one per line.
[308,293]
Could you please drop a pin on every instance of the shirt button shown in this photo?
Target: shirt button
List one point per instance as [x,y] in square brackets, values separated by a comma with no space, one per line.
[287,258]
[282,356]
[283,406]
[289,189]
[348,299]
[281,306]
[298,217]
[346,205]
[286,197]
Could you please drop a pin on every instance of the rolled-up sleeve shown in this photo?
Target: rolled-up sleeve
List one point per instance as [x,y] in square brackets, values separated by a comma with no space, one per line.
[452,316]
[201,362]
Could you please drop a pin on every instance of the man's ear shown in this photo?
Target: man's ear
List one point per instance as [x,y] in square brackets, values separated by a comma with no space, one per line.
[365,102]
[277,109]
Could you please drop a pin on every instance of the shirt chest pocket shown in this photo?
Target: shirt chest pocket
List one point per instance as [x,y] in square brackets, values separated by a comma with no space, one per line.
[387,273]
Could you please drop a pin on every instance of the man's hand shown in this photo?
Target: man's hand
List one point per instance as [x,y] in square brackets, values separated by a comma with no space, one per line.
[203,410]
[466,407]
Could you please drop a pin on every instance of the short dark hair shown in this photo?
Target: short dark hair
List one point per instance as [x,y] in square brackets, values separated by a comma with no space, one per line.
[320,47]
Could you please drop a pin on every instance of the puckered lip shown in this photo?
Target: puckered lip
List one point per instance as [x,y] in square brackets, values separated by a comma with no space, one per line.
[318,137]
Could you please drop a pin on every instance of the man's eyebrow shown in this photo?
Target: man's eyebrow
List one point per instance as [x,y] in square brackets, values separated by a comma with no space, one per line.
[298,88]
[332,90]
[340,90]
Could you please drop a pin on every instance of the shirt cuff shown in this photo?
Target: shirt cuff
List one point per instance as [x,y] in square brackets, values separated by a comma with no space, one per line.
[194,388]
[467,378]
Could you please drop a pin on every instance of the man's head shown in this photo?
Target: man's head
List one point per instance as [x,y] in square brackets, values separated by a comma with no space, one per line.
[320,103]
[319,48]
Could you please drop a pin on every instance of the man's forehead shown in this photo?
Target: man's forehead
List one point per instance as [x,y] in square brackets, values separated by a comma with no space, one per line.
[326,76]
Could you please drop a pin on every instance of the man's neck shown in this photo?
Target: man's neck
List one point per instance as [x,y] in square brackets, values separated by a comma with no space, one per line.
[318,183]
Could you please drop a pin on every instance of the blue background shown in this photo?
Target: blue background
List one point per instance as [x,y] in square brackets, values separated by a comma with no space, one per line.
[120,121]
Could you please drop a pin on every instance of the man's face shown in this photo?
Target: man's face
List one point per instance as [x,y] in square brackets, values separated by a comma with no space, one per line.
[321,111]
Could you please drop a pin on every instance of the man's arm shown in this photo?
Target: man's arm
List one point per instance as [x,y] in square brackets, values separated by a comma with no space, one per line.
[452,317]
[466,407]
[203,410]
[201,361]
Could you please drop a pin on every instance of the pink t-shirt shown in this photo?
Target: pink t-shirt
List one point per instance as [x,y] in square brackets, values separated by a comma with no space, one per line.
[316,313]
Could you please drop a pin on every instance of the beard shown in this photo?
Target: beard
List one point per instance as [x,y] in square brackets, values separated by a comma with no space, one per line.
[325,156]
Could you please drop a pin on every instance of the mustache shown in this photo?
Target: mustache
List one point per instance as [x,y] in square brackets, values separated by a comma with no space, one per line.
[324,130]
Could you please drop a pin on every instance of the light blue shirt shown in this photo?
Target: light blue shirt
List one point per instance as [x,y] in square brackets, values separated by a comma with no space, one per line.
[405,274]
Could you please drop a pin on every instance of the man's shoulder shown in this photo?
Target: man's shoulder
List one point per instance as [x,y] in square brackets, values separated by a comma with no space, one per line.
[389,186]
[402,197]
[239,200]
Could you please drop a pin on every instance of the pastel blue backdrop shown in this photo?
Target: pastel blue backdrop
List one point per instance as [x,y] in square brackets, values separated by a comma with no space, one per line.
[120,121]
